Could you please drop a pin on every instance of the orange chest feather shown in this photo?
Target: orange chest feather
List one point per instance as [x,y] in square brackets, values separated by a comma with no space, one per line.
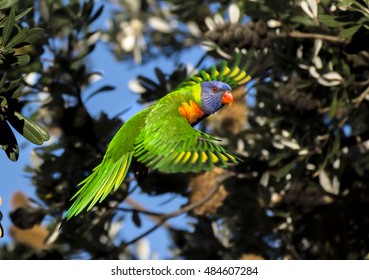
[190,111]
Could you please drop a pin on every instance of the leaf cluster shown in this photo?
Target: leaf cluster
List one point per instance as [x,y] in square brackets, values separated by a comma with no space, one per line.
[14,53]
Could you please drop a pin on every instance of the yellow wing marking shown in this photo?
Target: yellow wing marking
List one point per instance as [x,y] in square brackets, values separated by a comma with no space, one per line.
[186,157]
[226,71]
[224,157]
[195,157]
[214,157]
[245,80]
[204,157]
[208,77]
[234,72]
[180,155]
[232,157]
[120,176]
[240,76]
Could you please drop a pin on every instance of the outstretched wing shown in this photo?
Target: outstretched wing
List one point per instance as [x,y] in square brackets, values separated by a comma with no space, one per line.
[168,143]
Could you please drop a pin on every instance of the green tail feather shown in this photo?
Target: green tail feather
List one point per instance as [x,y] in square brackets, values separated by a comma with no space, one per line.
[107,176]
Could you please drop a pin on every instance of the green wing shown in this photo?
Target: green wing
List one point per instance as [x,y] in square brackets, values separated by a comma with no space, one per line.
[110,173]
[169,143]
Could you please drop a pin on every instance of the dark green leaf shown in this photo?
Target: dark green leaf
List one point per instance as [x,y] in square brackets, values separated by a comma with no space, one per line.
[136,218]
[333,21]
[8,27]
[87,7]
[104,88]
[17,17]
[34,34]
[96,15]
[160,75]
[284,170]
[8,142]
[278,158]
[4,4]
[23,59]
[349,32]
[17,93]
[14,84]
[333,107]
[330,21]
[2,81]
[305,20]
[20,37]
[22,14]
[72,11]
[87,51]
[3,101]
[335,146]
[30,130]
[145,82]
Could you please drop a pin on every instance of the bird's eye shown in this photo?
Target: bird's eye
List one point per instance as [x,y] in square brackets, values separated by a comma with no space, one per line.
[214,89]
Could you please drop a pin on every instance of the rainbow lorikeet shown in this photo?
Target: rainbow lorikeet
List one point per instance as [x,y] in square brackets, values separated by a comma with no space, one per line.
[162,137]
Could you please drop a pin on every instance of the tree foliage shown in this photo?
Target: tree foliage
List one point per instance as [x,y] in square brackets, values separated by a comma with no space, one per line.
[301,191]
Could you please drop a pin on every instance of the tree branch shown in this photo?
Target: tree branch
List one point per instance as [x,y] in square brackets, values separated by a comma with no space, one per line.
[361,97]
[300,35]
[164,217]
[136,207]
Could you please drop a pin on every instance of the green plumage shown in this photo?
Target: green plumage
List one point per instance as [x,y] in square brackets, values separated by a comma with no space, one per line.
[160,138]
[167,138]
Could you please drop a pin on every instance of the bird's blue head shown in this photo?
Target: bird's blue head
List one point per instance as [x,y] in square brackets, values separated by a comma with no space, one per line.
[214,95]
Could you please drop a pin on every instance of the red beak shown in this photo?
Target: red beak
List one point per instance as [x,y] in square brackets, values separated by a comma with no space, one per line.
[227,98]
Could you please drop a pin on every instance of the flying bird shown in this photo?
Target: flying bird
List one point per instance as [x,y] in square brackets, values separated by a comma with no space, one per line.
[162,136]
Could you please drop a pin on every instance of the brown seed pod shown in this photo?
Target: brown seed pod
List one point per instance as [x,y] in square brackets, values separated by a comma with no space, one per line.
[200,185]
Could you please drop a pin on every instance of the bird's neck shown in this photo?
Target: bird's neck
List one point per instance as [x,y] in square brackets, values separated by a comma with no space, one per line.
[191,112]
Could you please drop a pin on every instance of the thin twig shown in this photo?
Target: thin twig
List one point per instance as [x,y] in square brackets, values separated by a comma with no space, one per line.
[142,211]
[361,97]
[136,207]
[300,35]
